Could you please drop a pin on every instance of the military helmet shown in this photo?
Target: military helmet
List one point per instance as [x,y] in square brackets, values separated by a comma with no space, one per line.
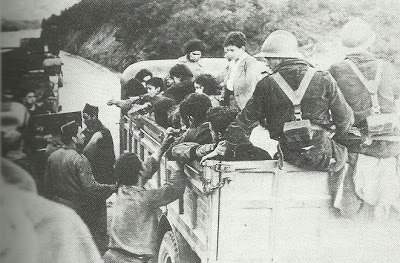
[357,35]
[280,44]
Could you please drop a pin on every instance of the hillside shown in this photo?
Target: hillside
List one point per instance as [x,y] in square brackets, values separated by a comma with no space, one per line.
[117,33]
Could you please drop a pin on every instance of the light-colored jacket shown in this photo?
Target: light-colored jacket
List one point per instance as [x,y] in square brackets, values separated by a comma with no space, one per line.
[250,71]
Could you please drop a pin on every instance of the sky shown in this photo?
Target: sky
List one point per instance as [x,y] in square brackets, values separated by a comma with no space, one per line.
[33,9]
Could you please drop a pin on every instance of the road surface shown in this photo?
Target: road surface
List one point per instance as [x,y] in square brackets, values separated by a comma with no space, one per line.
[88,82]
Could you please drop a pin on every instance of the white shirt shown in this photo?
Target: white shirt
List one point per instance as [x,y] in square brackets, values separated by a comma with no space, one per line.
[234,71]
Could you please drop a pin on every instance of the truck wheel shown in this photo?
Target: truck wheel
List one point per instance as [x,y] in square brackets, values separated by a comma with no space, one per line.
[168,252]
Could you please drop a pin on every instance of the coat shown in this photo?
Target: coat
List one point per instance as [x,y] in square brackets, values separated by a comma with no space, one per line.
[245,80]
[322,102]
[359,99]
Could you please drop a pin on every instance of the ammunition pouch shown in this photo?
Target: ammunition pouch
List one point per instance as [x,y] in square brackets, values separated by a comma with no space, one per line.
[298,131]
[380,124]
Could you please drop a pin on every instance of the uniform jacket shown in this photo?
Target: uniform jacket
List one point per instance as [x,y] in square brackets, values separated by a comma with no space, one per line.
[249,73]
[359,99]
[69,177]
[322,102]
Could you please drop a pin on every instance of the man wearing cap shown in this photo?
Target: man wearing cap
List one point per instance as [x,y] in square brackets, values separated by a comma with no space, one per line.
[69,180]
[372,89]
[99,150]
[297,103]
[99,146]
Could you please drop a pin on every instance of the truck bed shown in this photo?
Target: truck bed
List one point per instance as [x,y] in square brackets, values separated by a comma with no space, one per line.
[258,211]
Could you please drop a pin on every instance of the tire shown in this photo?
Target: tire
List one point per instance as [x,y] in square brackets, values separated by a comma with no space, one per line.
[169,251]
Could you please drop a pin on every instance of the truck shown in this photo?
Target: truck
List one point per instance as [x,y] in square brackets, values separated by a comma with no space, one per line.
[253,211]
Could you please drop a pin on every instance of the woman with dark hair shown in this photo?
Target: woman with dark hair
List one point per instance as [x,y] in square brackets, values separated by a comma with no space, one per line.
[134,87]
[137,85]
[194,49]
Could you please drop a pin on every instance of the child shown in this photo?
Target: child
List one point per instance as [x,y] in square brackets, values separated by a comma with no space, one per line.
[206,84]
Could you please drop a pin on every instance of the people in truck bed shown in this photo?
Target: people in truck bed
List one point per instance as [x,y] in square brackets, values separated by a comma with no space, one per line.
[131,90]
[133,231]
[154,87]
[243,71]
[298,103]
[219,119]
[193,111]
[137,85]
[183,83]
[372,88]
[207,84]
[194,49]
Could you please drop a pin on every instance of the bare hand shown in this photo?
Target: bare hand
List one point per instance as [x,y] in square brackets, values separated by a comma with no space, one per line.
[166,143]
[111,102]
[218,151]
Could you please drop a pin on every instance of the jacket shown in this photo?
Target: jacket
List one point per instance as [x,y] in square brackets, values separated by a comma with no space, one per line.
[69,176]
[322,102]
[249,72]
[134,220]
[359,99]
[99,151]
[179,91]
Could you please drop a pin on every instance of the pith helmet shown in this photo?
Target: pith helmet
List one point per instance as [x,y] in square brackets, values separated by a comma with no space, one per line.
[357,35]
[280,44]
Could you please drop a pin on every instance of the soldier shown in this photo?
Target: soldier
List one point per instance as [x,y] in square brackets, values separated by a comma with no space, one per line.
[70,181]
[297,102]
[372,88]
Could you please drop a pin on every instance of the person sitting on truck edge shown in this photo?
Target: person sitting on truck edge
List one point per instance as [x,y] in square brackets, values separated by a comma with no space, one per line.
[219,118]
[207,84]
[183,84]
[373,193]
[194,49]
[300,120]
[133,231]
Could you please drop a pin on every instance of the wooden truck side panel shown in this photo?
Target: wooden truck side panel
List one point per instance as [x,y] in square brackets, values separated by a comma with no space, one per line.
[253,211]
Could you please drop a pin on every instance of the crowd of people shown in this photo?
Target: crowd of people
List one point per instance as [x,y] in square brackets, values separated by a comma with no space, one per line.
[344,121]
